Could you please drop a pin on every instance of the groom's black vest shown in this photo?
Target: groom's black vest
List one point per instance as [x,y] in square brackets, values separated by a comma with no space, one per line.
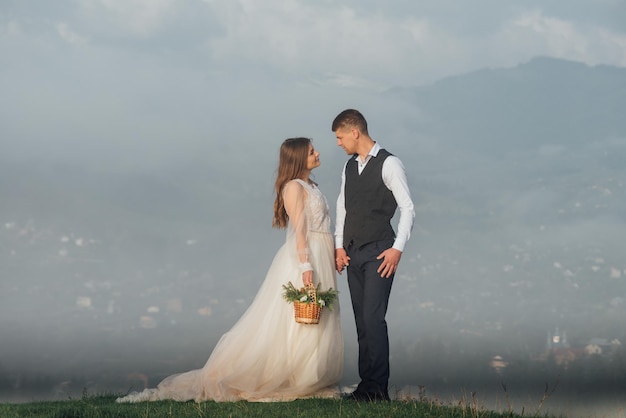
[370,205]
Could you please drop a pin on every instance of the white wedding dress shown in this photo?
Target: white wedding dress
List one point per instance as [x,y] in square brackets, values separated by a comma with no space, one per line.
[266,355]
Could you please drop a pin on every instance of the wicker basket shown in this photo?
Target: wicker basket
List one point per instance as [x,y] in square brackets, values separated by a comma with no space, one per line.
[308,312]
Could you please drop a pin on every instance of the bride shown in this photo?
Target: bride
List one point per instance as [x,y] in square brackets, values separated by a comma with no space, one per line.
[266,356]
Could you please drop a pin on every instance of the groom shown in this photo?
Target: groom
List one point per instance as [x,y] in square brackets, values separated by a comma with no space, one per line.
[373,186]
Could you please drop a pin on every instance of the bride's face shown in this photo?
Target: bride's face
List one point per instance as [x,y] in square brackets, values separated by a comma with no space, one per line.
[313,159]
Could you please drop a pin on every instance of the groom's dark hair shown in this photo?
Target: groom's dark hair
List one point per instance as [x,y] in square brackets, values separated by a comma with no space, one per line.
[350,118]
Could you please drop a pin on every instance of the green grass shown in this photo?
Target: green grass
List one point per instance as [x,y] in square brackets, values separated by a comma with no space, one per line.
[104,406]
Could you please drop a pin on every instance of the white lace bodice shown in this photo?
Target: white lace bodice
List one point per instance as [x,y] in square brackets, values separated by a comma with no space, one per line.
[317,210]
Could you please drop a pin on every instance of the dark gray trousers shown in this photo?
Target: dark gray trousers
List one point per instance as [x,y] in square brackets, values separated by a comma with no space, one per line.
[370,296]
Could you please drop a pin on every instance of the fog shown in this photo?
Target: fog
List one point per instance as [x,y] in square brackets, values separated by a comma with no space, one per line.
[139,150]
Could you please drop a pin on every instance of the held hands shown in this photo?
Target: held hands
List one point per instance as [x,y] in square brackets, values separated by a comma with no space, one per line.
[391,258]
[341,259]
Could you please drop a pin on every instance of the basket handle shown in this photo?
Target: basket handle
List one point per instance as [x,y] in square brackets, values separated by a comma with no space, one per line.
[311,291]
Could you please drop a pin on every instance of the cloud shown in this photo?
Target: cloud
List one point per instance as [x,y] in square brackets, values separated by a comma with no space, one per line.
[379,47]
[361,44]
[69,35]
[535,33]
[141,18]
[348,81]
[10,29]
[294,37]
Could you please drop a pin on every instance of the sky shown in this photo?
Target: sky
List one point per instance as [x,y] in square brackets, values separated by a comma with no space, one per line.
[145,85]
[356,43]
[86,79]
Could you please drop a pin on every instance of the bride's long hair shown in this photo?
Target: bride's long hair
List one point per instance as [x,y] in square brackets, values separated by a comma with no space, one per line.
[291,164]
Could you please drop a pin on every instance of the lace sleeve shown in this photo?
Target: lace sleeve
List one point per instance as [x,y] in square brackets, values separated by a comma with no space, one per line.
[295,202]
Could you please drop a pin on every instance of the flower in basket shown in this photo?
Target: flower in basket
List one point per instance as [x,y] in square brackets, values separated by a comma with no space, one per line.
[324,299]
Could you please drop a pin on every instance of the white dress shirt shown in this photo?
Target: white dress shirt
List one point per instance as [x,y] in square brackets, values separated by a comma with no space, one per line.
[394,178]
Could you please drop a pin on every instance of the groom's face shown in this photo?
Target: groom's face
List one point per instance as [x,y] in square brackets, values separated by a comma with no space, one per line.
[347,139]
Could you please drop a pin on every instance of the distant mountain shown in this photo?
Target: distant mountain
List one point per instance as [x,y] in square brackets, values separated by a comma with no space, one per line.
[544,101]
